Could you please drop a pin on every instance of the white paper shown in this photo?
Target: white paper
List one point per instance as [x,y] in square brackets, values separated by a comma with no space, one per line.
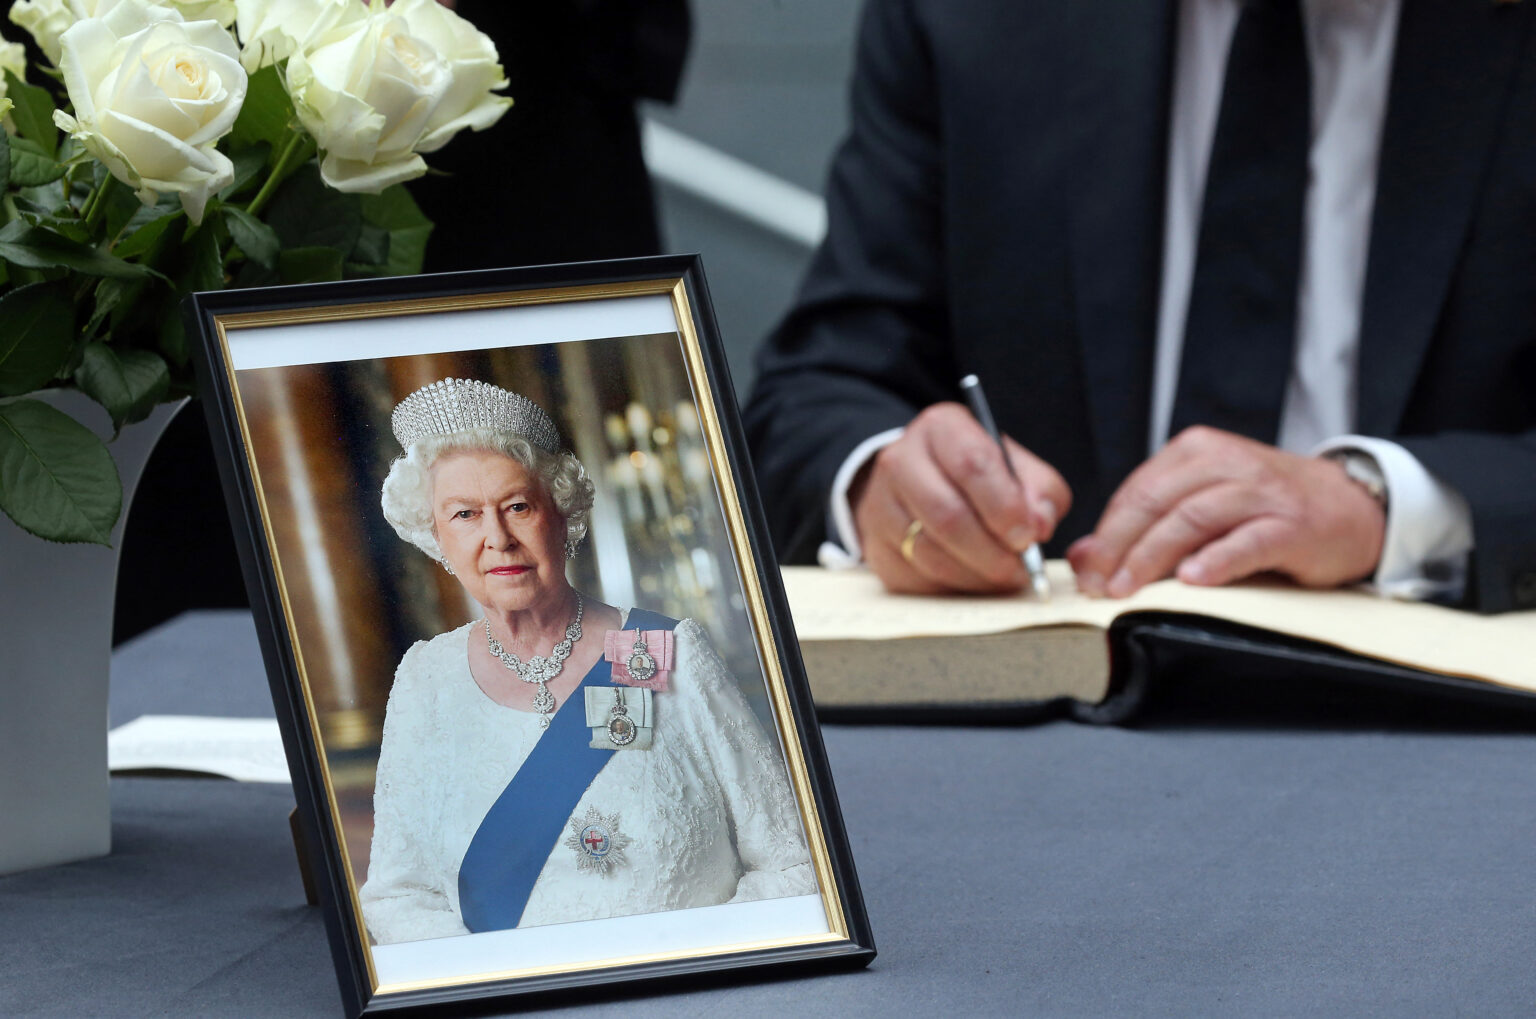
[244,749]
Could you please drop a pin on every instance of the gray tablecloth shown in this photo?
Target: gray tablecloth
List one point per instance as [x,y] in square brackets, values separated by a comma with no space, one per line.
[1340,863]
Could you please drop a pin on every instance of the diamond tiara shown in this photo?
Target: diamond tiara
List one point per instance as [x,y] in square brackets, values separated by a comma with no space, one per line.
[449,406]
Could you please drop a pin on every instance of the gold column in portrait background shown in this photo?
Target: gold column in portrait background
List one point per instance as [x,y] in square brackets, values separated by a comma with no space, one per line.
[335,591]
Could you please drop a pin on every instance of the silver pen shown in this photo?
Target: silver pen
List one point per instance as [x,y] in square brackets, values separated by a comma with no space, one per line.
[1033,561]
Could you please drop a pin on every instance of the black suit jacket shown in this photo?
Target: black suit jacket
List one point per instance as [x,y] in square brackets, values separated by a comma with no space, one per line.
[998,206]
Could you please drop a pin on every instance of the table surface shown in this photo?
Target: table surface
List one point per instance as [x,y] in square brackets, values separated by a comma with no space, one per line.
[1300,859]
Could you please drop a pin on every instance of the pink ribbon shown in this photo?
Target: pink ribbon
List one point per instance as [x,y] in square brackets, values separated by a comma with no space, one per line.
[619,646]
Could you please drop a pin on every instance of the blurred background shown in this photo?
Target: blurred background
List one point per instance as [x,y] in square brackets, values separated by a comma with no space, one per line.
[734,106]
[764,88]
[358,596]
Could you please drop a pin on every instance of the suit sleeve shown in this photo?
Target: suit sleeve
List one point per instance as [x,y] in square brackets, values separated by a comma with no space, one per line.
[865,346]
[1496,474]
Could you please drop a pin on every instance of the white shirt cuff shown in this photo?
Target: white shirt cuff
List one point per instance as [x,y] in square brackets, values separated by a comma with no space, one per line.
[1429,525]
[843,551]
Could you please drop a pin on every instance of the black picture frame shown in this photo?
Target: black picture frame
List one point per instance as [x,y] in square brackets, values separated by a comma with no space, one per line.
[359,315]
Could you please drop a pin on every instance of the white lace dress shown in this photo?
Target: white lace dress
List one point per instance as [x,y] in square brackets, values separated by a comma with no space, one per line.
[708,808]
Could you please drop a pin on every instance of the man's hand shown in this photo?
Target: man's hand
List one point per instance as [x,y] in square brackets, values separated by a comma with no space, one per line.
[948,474]
[1214,508]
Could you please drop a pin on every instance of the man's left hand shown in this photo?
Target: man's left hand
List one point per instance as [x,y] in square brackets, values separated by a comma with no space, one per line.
[1212,508]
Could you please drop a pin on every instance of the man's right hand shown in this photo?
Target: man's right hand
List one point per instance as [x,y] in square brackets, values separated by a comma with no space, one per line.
[948,474]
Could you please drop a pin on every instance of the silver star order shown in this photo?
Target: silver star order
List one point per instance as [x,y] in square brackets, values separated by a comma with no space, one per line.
[617,841]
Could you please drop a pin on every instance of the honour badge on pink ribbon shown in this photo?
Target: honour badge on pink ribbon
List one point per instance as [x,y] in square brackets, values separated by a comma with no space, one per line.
[639,657]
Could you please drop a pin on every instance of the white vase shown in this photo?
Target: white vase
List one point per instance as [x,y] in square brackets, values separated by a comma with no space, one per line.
[56,608]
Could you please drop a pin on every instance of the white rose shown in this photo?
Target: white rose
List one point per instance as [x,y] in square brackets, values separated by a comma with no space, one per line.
[270,30]
[476,71]
[152,95]
[45,20]
[222,11]
[376,90]
[13,58]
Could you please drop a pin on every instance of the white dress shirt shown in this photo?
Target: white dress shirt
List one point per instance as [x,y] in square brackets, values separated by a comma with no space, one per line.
[1350,44]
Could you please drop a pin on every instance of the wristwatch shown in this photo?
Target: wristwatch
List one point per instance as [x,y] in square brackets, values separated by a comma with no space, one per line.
[1362,469]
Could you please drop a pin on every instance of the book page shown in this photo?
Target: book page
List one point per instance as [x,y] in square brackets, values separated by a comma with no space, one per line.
[852,605]
[244,749]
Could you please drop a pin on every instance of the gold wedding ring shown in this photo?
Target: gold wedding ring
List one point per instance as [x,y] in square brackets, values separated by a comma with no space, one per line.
[909,540]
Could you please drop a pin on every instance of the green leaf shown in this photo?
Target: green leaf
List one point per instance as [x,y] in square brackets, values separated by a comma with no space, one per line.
[121,204]
[144,238]
[249,162]
[266,114]
[109,294]
[5,160]
[251,274]
[31,166]
[36,248]
[128,386]
[173,338]
[76,356]
[372,246]
[70,227]
[309,265]
[202,262]
[37,331]
[45,200]
[307,214]
[33,114]
[57,480]
[362,271]
[396,211]
[252,236]
[150,377]
[125,309]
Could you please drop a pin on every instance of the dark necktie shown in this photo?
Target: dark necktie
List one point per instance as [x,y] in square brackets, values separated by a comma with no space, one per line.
[1241,329]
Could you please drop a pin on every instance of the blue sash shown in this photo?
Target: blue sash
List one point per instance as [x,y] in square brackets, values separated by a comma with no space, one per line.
[523,826]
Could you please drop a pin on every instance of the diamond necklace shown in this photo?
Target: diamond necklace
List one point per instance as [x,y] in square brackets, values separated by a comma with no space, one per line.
[540,669]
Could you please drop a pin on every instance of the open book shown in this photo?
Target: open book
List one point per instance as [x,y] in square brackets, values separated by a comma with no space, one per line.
[867,649]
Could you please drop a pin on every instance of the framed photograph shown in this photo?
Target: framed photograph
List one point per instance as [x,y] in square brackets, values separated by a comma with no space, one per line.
[538,684]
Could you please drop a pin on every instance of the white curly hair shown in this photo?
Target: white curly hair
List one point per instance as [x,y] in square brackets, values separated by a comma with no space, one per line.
[407,493]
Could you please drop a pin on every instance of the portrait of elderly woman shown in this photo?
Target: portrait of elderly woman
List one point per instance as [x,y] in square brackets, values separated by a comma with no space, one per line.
[558,759]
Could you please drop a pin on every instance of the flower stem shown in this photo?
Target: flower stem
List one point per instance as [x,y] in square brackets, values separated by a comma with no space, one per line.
[280,171]
[93,208]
